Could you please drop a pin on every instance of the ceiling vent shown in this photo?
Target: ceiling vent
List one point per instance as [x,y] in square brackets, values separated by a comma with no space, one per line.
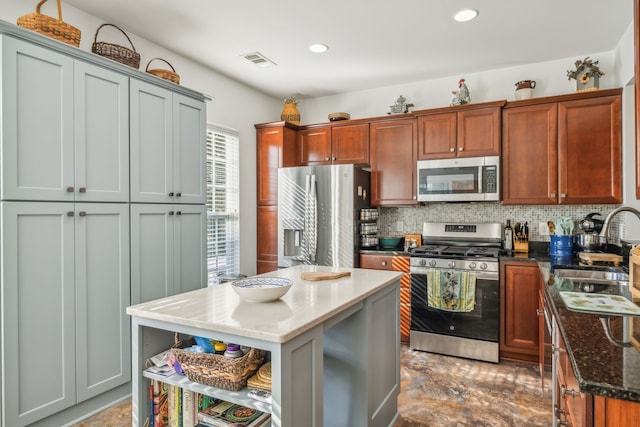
[259,59]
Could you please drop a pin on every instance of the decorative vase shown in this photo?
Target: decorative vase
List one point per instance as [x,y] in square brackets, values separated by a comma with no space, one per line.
[290,113]
[586,83]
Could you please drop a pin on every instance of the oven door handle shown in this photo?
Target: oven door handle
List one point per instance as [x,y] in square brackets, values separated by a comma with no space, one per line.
[480,275]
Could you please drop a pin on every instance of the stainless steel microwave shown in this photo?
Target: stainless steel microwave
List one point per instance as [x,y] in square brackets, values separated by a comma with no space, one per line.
[470,179]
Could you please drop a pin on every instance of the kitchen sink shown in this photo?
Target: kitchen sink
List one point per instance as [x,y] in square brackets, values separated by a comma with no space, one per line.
[592,274]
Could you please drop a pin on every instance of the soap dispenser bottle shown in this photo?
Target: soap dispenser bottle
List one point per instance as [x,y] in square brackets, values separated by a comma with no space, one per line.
[507,241]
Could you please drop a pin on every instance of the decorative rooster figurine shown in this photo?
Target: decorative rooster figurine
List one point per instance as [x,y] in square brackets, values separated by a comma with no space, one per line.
[462,95]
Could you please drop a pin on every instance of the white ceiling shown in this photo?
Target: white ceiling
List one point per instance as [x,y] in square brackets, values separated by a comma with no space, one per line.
[372,43]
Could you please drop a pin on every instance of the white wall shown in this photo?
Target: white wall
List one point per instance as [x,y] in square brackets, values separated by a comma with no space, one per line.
[235,106]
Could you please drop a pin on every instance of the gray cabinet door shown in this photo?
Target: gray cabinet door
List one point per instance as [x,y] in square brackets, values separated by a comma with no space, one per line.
[190,241]
[101,134]
[151,143]
[38,310]
[151,252]
[189,158]
[37,123]
[103,345]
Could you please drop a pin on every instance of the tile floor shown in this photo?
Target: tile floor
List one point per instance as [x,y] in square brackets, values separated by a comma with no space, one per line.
[441,391]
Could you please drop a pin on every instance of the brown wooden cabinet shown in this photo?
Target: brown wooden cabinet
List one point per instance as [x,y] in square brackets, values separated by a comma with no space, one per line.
[334,145]
[563,150]
[393,162]
[395,263]
[276,147]
[573,408]
[474,131]
[519,299]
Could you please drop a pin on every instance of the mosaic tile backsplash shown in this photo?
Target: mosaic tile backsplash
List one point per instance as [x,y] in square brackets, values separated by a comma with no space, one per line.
[413,217]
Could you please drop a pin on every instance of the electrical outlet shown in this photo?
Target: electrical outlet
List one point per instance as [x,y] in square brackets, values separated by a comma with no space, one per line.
[399,226]
[543,229]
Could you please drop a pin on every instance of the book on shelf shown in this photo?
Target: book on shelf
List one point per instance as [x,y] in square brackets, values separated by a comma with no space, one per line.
[175,406]
[189,408]
[160,403]
[227,414]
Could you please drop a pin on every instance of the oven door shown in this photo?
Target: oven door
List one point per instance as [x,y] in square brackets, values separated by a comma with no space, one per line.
[482,323]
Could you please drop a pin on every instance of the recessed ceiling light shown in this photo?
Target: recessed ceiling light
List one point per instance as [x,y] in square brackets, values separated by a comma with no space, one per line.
[318,48]
[465,15]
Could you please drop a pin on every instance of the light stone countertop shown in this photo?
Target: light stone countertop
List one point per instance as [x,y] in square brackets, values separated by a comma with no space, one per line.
[307,304]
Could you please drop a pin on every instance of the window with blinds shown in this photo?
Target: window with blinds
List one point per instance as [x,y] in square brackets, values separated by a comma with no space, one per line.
[223,235]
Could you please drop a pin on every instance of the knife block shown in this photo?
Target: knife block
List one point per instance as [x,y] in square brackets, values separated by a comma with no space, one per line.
[522,247]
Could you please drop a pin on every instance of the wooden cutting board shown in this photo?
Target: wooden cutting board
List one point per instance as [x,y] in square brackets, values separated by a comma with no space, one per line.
[591,257]
[308,275]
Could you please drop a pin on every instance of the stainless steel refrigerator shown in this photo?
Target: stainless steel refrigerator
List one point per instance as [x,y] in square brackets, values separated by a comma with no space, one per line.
[318,210]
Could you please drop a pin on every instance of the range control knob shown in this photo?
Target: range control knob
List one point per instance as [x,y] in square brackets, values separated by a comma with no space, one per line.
[451,264]
[483,266]
[472,265]
[422,262]
[432,262]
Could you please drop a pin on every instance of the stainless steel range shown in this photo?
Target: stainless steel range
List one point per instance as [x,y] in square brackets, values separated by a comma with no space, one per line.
[455,251]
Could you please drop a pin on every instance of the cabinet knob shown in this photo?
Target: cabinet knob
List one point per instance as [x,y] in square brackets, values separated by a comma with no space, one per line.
[460,148]
[539,312]
[171,194]
[178,194]
[383,263]
[334,159]
[563,195]
[178,212]
[326,159]
[82,190]
[552,195]
[70,189]
[70,213]
[170,212]
[82,213]
[566,391]
[451,150]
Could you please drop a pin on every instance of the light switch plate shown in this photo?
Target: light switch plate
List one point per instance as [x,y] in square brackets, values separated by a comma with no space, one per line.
[399,226]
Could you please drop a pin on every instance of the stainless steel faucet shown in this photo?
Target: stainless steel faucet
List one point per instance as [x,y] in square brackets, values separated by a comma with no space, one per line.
[605,227]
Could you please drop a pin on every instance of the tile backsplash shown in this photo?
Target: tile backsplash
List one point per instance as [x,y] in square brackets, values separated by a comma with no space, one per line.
[411,218]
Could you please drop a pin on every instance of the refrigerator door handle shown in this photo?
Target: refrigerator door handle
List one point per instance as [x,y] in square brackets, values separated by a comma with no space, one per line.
[313,213]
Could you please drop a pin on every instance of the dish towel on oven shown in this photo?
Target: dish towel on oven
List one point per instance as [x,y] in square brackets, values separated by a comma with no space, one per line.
[451,290]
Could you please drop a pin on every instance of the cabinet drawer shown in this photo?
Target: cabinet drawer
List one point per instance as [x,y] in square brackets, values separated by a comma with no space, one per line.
[376,262]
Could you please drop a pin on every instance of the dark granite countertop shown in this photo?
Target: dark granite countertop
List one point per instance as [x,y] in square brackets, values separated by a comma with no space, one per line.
[601,367]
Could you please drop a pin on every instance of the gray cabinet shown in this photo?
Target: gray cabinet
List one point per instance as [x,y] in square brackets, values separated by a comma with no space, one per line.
[168,244]
[65,282]
[65,127]
[168,137]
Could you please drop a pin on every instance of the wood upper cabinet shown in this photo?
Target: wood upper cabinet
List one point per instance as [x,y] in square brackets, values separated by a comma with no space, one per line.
[519,286]
[393,162]
[276,148]
[472,132]
[334,145]
[576,143]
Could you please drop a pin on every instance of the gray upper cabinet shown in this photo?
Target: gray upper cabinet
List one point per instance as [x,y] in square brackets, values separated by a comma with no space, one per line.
[65,285]
[168,137]
[65,127]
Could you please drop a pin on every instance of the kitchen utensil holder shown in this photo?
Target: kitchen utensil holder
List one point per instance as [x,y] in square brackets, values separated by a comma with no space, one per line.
[51,27]
[115,52]
[216,370]
[561,245]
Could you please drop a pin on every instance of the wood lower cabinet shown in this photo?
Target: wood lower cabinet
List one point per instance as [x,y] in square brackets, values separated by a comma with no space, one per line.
[393,162]
[395,263]
[519,304]
[471,132]
[576,143]
[276,147]
[572,408]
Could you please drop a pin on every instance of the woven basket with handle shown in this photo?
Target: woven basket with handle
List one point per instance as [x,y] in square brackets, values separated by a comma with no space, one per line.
[172,76]
[116,52]
[50,27]
[216,370]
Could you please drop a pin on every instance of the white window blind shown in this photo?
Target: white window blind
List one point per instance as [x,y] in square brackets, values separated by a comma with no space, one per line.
[223,248]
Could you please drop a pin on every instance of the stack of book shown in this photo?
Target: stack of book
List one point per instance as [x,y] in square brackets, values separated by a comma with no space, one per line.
[171,406]
[227,414]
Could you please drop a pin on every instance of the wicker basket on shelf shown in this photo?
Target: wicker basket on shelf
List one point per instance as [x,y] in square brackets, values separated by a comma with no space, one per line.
[50,27]
[172,76]
[116,52]
[216,370]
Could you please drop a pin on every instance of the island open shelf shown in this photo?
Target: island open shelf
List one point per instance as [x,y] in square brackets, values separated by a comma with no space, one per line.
[324,339]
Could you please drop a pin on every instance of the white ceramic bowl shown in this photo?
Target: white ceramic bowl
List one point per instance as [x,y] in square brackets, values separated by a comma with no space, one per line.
[261,289]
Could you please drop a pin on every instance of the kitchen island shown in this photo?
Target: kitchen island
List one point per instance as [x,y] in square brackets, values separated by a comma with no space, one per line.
[333,345]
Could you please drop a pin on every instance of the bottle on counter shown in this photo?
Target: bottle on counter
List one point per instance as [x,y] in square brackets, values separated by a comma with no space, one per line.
[507,241]
[233,351]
